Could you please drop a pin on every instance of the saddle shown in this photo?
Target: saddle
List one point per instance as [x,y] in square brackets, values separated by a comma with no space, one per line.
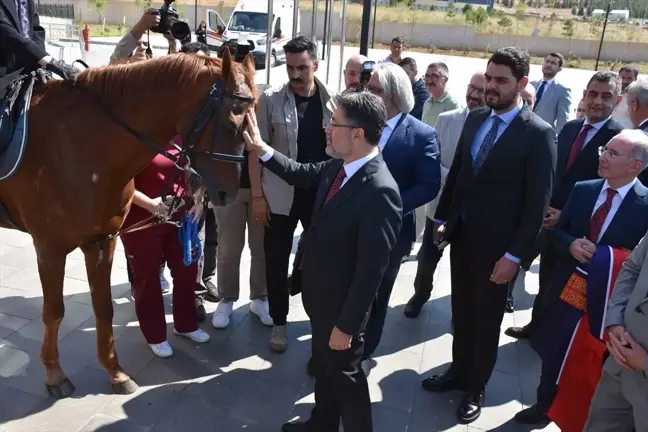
[14,111]
[14,125]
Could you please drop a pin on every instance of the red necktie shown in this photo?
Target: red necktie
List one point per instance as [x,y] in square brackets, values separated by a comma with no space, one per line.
[578,145]
[598,219]
[337,184]
[335,188]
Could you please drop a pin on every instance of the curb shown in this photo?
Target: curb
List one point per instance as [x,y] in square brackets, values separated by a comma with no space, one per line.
[100,42]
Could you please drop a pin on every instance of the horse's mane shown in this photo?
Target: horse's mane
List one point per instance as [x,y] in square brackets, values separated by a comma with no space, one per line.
[129,83]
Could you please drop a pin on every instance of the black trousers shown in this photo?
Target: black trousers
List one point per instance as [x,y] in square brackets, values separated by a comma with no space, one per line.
[207,264]
[477,309]
[380,306]
[341,390]
[548,260]
[278,243]
[428,258]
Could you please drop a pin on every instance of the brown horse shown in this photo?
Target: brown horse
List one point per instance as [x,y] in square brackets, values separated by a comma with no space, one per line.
[75,186]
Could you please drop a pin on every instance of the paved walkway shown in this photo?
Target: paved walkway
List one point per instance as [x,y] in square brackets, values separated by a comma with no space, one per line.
[233,383]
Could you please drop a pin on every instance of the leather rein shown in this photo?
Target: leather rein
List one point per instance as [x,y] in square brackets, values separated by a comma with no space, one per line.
[210,110]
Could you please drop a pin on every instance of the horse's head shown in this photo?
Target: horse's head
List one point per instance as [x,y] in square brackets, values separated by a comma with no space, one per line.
[217,151]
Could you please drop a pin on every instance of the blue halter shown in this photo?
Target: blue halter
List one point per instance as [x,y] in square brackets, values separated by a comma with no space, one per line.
[188,237]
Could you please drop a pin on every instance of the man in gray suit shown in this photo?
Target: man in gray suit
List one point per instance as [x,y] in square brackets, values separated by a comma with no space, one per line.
[448,126]
[620,403]
[553,99]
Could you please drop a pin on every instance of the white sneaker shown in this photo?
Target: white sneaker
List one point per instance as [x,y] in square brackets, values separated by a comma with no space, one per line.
[261,309]
[221,316]
[196,335]
[162,349]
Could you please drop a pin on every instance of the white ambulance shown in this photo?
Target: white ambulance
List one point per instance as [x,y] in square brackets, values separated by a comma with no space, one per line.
[248,25]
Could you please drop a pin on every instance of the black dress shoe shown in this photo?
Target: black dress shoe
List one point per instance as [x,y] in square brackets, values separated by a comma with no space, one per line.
[445,381]
[470,407]
[297,427]
[519,332]
[510,305]
[212,292]
[531,416]
[414,306]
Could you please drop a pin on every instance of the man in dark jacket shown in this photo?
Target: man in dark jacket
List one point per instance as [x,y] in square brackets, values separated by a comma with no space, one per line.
[418,86]
[22,44]
[343,254]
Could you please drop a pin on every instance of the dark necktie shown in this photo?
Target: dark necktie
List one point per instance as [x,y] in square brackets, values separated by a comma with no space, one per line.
[578,145]
[23,16]
[487,145]
[598,219]
[541,90]
[335,187]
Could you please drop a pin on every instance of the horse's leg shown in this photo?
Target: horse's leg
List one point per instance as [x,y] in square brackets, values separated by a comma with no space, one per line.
[51,269]
[98,266]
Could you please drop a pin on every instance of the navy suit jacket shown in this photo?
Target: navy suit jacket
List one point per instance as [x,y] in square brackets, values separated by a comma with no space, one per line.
[412,156]
[628,226]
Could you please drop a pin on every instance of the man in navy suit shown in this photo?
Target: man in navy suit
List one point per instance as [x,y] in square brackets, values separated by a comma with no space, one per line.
[620,202]
[578,160]
[410,149]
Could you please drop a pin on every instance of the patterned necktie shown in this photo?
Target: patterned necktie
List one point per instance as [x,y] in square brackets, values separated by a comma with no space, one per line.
[578,145]
[337,184]
[598,219]
[21,7]
[541,90]
[487,145]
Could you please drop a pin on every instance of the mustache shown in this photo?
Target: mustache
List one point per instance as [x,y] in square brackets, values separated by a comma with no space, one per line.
[296,80]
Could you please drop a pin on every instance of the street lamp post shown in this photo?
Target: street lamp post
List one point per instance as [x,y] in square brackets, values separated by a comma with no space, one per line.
[364,31]
[607,13]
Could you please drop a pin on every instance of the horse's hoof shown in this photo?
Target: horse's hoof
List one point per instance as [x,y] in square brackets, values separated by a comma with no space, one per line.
[60,391]
[125,388]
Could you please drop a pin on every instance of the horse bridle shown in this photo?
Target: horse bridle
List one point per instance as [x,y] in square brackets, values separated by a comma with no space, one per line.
[211,109]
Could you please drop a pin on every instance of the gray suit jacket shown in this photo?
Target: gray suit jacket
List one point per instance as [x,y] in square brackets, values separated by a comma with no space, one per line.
[448,126]
[629,303]
[555,104]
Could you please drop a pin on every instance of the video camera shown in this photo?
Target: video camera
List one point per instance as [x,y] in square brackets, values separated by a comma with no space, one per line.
[170,22]
[365,74]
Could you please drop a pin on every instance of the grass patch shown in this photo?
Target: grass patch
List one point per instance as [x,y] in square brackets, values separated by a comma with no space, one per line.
[97,30]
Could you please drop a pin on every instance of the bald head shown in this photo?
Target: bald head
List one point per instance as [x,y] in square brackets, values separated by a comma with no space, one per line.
[352,70]
[475,91]
[624,157]
[529,95]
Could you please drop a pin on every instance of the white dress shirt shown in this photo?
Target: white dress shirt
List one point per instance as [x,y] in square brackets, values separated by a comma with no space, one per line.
[593,131]
[350,169]
[390,125]
[616,203]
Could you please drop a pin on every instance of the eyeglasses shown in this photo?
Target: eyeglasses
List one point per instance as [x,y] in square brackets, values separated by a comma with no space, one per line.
[342,125]
[433,76]
[610,153]
[472,89]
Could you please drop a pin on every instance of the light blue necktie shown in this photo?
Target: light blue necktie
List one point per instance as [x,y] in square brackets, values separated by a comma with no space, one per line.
[487,145]
[23,16]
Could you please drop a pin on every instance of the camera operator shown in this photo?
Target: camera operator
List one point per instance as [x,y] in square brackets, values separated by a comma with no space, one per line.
[133,39]
[23,44]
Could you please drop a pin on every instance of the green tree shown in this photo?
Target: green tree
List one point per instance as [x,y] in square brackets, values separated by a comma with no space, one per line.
[505,23]
[100,7]
[451,13]
[568,31]
[595,27]
[520,12]
[144,4]
[552,21]
[468,8]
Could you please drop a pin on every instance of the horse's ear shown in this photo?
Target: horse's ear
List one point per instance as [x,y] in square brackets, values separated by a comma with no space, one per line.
[248,63]
[226,66]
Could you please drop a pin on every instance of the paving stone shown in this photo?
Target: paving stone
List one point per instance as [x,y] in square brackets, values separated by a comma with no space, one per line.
[234,382]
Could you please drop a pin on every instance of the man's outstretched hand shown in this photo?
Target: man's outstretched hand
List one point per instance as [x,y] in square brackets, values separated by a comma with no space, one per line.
[252,136]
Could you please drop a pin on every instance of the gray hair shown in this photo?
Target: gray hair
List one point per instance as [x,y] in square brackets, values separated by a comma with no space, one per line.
[442,67]
[638,91]
[396,85]
[639,141]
